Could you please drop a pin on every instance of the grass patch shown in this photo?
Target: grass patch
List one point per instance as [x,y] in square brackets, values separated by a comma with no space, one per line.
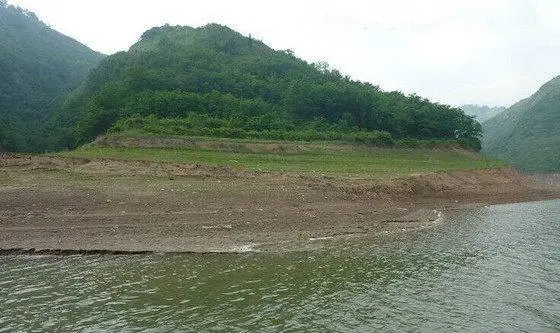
[326,159]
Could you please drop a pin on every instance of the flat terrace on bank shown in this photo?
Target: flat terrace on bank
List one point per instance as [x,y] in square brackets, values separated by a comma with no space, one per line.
[333,159]
[215,195]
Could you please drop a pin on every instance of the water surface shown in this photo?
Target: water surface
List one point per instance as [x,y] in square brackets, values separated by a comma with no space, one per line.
[486,269]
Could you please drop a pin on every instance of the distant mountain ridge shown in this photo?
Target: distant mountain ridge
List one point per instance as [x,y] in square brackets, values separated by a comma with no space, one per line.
[482,112]
[38,67]
[528,133]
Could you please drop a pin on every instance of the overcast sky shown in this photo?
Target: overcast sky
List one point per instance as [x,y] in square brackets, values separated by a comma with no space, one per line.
[492,52]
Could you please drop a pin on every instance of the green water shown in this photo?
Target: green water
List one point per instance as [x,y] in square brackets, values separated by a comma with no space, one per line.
[484,270]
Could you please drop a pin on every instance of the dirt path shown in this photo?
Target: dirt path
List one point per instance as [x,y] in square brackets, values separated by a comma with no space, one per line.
[54,203]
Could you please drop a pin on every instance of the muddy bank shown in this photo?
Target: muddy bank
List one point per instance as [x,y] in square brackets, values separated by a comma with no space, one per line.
[57,205]
[547,178]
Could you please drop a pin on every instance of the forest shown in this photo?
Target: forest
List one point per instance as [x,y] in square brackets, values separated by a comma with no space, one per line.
[56,94]
[527,134]
[38,68]
[212,81]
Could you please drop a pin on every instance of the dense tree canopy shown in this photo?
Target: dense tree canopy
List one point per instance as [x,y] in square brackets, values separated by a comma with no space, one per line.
[240,83]
[38,67]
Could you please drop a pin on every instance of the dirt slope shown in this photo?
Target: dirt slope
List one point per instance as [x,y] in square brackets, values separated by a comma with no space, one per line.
[69,204]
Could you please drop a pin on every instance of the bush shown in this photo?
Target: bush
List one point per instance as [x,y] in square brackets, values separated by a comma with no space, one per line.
[204,125]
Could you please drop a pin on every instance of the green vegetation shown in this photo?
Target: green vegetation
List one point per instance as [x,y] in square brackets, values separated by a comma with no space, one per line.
[212,81]
[38,67]
[207,126]
[527,135]
[482,112]
[292,157]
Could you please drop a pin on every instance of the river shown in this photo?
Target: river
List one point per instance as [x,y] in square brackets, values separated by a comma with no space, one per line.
[482,270]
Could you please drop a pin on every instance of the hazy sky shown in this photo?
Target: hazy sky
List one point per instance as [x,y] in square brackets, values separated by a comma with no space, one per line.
[492,52]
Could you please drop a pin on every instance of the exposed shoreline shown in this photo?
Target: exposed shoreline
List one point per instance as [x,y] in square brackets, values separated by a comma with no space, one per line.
[68,206]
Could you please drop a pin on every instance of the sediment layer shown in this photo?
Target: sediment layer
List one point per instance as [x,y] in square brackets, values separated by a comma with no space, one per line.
[73,206]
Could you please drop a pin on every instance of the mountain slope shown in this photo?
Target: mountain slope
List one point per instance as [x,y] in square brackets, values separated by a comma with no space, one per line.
[482,112]
[528,134]
[38,66]
[213,81]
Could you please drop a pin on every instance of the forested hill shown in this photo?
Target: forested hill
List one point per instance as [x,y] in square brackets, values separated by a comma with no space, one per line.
[528,134]
[38,66]
[212,81]
[482,112]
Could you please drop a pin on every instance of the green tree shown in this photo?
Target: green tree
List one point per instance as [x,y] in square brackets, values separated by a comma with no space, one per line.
[246,89]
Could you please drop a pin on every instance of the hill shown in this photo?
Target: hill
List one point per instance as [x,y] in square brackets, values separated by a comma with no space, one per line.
[212,81]
[528,134]
[482,112]
[38,66]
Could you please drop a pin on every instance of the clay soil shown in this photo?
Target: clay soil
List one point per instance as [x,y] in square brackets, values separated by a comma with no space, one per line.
[53,204]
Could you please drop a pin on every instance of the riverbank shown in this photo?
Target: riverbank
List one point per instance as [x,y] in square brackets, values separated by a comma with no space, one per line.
[547,178]
[57,203]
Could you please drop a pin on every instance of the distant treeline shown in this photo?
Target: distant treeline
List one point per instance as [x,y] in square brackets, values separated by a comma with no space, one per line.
[212,81]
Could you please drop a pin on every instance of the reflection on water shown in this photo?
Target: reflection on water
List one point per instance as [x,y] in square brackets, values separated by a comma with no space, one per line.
[488,269]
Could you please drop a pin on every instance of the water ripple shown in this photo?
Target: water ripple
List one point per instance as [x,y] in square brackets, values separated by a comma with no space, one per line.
[489,269]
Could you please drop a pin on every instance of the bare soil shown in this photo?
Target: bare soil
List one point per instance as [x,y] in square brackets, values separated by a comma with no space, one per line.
[57,204]
[547,178]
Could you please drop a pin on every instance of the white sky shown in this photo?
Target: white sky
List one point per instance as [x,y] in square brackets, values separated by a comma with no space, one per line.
[492,52]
